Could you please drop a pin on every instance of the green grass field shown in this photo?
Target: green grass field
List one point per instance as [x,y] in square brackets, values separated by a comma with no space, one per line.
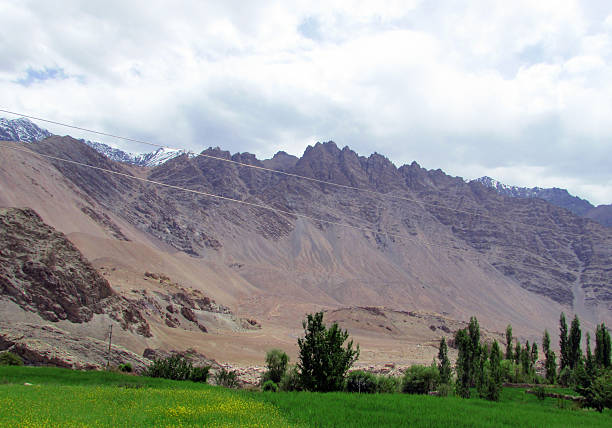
[60,397]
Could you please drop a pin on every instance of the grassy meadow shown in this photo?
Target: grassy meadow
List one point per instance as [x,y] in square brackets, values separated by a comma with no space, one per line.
[60,397]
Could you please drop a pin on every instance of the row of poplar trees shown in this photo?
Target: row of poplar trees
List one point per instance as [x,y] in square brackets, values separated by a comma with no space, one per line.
[484,368]
[572,361]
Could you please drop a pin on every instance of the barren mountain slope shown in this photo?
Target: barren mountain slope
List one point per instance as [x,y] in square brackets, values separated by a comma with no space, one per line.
[506,260]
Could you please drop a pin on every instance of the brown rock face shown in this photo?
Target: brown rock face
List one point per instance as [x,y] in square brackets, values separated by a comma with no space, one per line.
[49,345]
[42,271]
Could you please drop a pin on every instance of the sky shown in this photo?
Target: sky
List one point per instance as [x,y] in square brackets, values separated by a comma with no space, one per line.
[517,90]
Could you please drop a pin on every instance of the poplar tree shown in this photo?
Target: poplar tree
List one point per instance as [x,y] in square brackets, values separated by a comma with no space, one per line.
[602,346]
[444,367]
[495,373]
[551,366]
[563,345]
[509,342]
[534,353]
[590,360]
[573,343]
[464,364]
[517,352]
[546,342]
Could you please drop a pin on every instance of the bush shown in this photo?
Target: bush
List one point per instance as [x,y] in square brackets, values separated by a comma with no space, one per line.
[599,394]
[388,384]
[126,368]
[199,374]
[291,380]
[445,390]
[540,392]
[9,359]
[360,381]
[276,362]
[226,378]
[323,358]
[174,367]
[269,386]
[420,379]
[565,377]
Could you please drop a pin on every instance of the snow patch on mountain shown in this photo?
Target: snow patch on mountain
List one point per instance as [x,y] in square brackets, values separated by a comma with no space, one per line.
[559,197]
[155,158]
[26,131]
[21,130]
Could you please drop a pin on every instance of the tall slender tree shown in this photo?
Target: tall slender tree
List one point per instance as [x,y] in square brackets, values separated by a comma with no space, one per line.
[509,342]
[526,358]
[534,353]
[546,342]
[602,346]
[464,364]
[573,343]
[495,373]
[563,345]
[517,352]
[590,359]
[444,367]
[551,366]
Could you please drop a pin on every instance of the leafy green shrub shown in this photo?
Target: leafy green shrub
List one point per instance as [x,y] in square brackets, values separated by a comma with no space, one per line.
[388,384]
[199,374]
[10,359]
[323,359]
[227,378]
[445,390]
[175,367]
[291,380]
[420,379]
[126,368]
[276,362]
[565,377]
[540,392]
[269,386]
[360,381]
[599,393]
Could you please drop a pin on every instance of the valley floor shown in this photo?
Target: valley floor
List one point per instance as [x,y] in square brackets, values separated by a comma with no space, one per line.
[49,397]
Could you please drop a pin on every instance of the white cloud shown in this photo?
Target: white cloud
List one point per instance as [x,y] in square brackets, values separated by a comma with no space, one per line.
[494,85]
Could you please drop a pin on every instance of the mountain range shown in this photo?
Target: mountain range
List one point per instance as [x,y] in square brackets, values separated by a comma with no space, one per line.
[414,244]
[24,130]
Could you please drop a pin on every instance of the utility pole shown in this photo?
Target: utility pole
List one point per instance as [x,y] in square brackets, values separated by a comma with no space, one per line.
[110,338]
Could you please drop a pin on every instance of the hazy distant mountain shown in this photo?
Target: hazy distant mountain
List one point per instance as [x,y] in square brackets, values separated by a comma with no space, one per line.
[559,197]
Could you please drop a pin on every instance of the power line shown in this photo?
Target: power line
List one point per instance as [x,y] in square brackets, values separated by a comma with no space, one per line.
[289,174]
[266,207]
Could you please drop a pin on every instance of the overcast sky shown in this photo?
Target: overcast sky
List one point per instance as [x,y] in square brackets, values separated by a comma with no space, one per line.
[517,90]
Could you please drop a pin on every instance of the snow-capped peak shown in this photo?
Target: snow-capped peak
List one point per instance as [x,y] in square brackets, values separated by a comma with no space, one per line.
[25,131]
[21,130]
[155,158]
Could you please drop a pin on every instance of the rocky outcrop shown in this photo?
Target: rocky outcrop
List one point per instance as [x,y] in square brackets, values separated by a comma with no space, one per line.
[50,345]
[42,272]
